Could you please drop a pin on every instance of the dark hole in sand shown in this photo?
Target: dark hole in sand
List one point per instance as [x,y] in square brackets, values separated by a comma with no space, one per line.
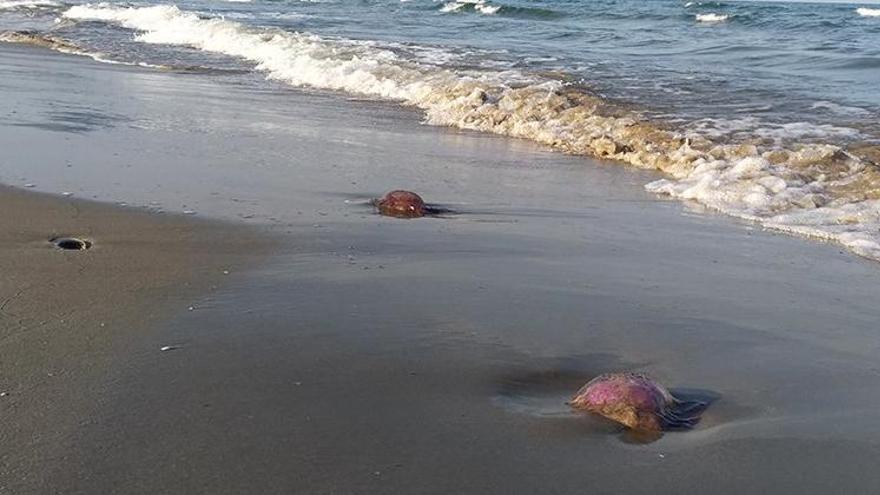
[71,243]
[544,394]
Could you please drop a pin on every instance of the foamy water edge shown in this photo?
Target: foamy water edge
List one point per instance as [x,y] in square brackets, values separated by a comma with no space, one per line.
[817,190]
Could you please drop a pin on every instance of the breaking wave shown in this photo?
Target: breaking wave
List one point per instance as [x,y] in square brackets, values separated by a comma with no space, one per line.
[486,8]
[866,12]
[27,4]
[819,190]
[712,17]
[61,45]
[34,38]
[480,6]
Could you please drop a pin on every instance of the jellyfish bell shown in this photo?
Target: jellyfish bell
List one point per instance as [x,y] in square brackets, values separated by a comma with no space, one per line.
[637,401]
[402,204]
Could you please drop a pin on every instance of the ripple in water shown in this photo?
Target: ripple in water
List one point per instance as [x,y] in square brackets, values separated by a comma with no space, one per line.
[541,393]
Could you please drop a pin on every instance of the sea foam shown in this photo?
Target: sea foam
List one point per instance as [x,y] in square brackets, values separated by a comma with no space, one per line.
[866,12]
[820,190]
[27,4]
[710,18]
[480,6]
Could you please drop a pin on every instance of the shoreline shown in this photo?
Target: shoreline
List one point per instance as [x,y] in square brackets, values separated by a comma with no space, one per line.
[362,354]
[811,190]
[811,183]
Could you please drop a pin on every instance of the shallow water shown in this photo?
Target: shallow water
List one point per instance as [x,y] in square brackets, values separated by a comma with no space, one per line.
[765,111]
[774,62]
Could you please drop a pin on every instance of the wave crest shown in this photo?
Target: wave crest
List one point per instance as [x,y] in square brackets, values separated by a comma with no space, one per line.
[34,38]
[480,6]
[61,45]
[711,18]
[28,4]
[866,12]
[486,8]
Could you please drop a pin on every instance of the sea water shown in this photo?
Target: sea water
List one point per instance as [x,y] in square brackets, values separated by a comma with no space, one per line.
[763,110]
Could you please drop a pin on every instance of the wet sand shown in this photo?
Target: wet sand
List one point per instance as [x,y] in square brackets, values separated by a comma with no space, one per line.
[67,318]
[447,371]
[375,355]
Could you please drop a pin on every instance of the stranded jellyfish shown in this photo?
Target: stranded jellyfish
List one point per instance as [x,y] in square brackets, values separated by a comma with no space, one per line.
[402,204]
[638,402]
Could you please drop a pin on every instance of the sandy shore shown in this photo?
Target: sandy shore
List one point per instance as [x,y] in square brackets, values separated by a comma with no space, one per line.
[67,317]
[373,355]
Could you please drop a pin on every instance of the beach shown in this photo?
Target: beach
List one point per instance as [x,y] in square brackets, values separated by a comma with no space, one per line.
[312,346]
[70,317]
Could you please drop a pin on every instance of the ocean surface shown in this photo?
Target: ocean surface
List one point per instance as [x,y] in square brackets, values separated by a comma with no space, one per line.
[766,111]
